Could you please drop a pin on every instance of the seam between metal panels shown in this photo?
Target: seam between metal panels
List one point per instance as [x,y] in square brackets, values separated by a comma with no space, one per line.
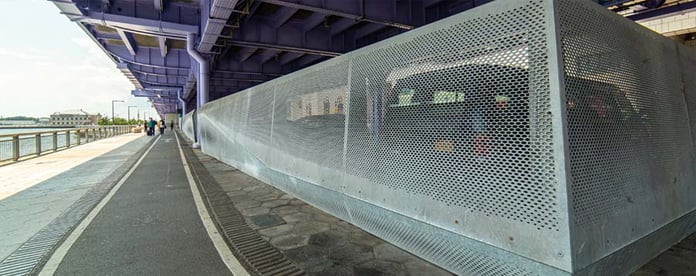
[30,257]
[683,92]
[560,121]
[255,253]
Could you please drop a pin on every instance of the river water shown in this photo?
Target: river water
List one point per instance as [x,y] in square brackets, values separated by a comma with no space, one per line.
[27,144]
[4,131]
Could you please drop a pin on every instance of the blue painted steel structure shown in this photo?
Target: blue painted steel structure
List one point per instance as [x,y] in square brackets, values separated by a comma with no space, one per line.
[246,42]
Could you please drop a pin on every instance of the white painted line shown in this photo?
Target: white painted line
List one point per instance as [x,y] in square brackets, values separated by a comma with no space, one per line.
[59,254]
[223,250]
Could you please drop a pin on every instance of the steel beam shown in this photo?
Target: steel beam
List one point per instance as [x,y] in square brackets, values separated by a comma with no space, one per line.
[276,47]
[289,57]
[283,15]
[246,53]
[267,55]
[341,25]
[313,21]
[345,5]
[128,41]
[139,25]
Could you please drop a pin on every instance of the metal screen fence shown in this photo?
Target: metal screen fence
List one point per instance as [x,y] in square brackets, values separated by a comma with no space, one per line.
[519,137]
[630,145]
[5,149]
[187,126]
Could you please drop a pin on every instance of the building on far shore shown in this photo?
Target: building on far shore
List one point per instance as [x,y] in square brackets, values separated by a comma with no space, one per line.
[74,118]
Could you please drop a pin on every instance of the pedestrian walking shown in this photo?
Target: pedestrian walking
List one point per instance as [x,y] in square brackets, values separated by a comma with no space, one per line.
[162,126]
[151,127]
[147,132]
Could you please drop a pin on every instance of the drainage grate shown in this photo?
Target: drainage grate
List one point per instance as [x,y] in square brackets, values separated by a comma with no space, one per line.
[256,254]
[30,257]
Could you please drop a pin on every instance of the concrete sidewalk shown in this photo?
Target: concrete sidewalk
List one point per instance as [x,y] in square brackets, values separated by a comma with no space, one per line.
[149,227]
[19,176]
[35,192]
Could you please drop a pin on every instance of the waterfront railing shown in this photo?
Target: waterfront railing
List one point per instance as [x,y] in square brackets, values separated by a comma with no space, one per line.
[21,146]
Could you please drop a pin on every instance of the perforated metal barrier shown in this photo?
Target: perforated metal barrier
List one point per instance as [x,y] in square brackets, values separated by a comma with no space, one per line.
[187,126]
[520,137]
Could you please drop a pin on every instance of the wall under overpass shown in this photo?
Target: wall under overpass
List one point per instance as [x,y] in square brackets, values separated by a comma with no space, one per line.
[509,139]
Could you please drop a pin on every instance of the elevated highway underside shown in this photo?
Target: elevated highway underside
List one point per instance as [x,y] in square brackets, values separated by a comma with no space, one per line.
[512,136]
[248,42]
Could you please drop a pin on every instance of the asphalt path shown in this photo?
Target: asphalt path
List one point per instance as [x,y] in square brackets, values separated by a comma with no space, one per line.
[149,227]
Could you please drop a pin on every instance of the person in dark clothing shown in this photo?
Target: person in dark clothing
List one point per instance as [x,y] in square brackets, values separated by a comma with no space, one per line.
[147,131]
[162,126]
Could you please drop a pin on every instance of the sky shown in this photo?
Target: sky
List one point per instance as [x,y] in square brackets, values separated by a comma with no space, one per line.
[48,64]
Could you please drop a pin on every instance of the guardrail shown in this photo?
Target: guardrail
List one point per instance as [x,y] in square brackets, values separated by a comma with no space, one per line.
[22,146]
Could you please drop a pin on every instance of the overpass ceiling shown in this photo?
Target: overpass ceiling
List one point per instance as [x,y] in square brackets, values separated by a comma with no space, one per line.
[246,41]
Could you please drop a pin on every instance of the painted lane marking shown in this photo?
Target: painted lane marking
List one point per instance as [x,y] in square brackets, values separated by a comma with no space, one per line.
[57,257]
[220,245]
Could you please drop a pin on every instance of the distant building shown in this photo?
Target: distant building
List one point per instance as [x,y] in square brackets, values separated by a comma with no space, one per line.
[74,118]
[44,121]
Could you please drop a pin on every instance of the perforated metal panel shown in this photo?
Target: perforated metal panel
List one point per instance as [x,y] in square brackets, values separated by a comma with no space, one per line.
[187,126]
[482,141]
[448,125]
[630,145]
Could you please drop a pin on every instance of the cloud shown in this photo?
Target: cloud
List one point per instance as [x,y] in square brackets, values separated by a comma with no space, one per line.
[20,54]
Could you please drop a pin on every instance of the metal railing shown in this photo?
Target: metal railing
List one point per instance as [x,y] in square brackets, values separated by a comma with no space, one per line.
[22,146]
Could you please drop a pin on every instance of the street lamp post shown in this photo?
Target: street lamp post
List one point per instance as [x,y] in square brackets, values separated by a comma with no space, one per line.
[129,107]
[113,120]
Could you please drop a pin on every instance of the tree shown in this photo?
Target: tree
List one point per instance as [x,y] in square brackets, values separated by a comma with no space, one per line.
[104,121]
[118,121]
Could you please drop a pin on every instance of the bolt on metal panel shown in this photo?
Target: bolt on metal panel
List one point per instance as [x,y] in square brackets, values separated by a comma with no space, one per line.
[520,137]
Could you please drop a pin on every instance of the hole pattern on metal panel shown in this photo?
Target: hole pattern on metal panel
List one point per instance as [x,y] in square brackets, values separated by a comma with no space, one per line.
[258,121]
[302,133]
[465,121]
[625,112]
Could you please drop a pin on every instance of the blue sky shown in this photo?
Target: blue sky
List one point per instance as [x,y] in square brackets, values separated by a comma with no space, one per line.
[48,64]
